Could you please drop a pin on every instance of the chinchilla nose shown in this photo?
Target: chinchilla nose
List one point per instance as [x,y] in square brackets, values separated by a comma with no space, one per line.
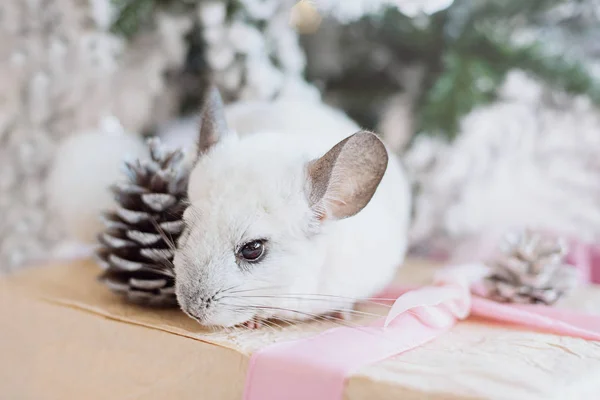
[199,306]
[205,302]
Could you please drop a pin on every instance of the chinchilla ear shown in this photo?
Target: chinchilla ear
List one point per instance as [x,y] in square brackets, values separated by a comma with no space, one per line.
[213,126]
[343,181]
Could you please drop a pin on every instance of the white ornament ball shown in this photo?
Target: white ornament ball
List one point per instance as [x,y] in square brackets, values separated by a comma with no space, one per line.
[84,167]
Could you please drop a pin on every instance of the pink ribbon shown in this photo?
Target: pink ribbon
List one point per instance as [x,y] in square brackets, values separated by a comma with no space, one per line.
[316,368]
[586,257]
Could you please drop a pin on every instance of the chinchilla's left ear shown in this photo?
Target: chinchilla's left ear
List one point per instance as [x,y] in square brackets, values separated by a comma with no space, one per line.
[213,126]
[343,181]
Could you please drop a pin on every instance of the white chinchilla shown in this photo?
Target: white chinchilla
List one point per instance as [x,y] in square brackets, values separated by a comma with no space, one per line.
[300,215]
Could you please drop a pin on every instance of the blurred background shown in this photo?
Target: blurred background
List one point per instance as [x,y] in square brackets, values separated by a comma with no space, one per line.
[492,104]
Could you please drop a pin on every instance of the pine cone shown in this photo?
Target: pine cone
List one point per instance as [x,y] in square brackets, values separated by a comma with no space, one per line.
[137,248]
[531,271]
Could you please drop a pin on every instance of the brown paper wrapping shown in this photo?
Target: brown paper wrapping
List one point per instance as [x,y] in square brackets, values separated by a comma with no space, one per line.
[65,336]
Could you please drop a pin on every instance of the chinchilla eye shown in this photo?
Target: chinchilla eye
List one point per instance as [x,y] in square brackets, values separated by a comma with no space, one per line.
[252,251]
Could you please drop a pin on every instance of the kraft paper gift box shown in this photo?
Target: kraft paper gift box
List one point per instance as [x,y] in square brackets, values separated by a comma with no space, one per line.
[65,336]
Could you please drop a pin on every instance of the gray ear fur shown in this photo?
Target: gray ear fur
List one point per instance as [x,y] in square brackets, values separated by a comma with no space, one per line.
[343,181]
[212,121]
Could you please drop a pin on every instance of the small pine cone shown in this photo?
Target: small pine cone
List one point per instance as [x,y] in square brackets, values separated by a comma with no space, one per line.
[532,271]
[137,248]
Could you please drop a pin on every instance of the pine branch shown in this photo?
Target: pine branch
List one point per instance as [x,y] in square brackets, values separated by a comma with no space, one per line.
[131,15]
[464,84]
[504,9]
[464,16]
[476,60]
[568,75]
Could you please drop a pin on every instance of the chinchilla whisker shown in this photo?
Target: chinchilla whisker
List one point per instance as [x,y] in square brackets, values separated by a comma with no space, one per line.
[311,298]
[357,312]
[271,324]
[168,240]
[196,211]
[318,318]
[167,264]
[289,322]
[346,324]
[341,322]
[163,267]
[344,310]
[312,317]
[336,320]
[274,324]
[277,320]
[268,323]
[171,213]
[342,297]
[228,289]
[261,307]
[254,290]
